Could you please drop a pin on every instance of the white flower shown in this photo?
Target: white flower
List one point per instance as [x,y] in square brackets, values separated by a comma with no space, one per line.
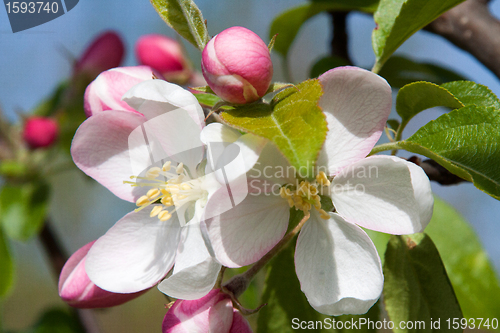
[152,157]
[336,262]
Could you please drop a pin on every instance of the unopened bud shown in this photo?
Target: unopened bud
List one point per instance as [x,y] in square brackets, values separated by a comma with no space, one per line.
[106,91]
[40,132]
[237,65]
[165,55]
[105,52]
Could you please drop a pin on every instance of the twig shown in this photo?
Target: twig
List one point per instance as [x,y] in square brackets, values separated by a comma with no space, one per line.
[339,44]
[58,257]
[471,27]
[436,172]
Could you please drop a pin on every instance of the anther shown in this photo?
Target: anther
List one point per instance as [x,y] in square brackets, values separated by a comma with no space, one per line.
[142,201]
[180,168]
[153,193]
[156,210]
[164,215]
[322,179]
[153,172]
[166,166]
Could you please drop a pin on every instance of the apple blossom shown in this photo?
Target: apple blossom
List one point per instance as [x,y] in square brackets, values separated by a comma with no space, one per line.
[165,55]
[40,132]
[105,52]
[211,313]
[106,91]
[152,156]
[76,289]
[336,262]
[237,65]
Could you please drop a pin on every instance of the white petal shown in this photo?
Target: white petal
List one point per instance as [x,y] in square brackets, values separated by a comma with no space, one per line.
[156,97]
[384,193]
[136,253]
[356,104]
[101,148]
[217,132]
[242,235]
[338,266]
[195,270]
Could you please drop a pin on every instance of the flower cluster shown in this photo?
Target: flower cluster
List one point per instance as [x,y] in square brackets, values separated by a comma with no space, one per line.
[200,196]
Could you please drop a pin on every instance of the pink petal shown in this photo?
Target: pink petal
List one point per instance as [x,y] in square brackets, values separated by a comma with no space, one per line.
[356,103]
[102,150]
[76,289]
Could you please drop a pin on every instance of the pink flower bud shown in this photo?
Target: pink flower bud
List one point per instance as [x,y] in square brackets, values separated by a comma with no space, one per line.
[40,132]
[76,289]
[105,52]
[237,65]
[106,91]
[211,313]
[165,55]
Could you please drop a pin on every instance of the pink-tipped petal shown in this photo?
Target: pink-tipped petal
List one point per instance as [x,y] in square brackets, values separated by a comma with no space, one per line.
[384,193]
[135,254]
[102,150]
[76,289]
[240,324]
[356,104]
[212,313]
[107,90]
[338,266]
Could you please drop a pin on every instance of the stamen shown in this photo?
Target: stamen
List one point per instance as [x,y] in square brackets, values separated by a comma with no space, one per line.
[153,193]
[180,168]
[156,210]
[153,172]
[164,215]
[166,166]
[322,179]
[142,201]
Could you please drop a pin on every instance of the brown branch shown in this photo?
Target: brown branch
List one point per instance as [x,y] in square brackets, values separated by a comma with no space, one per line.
[436,172]
[471,27]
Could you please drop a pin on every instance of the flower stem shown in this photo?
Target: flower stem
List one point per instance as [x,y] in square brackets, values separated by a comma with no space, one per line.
[239,283]
[384,147]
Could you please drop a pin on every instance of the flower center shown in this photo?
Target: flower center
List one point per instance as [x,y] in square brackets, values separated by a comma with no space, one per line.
[306,196]
[167,188]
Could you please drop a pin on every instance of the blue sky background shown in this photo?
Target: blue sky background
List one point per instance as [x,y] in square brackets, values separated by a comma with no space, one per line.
[32,62]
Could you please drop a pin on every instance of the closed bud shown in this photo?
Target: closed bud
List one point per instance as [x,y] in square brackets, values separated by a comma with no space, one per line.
[105,52]
[106,91]
[211,313]
[237,65]
[40,132]
[76,289]
[165,55]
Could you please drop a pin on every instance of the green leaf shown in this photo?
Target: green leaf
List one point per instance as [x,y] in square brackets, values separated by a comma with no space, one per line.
[23,208]
[285,301]
[469,268]
[399,71]
[418,96]
[416,287]
[469,93]
[325,64]
[465,142]
[207,100]
[57,321]
[293,121]
[288,23]
[397,20]
[184,17]
[6,267]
